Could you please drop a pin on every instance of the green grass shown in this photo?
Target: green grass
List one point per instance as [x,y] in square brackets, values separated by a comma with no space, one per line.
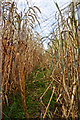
[14,109]
[35,86]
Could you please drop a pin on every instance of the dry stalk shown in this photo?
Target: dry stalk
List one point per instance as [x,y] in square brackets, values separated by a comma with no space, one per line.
[49,103]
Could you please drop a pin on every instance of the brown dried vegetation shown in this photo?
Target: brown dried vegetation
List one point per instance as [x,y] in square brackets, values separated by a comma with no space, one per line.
[22,52]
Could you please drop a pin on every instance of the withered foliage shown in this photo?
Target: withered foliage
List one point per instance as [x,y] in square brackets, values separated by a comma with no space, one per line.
[21,50]
[65,71]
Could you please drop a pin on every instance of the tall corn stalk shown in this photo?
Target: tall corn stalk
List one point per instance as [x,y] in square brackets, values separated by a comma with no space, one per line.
[70,66]
[18,47]
[0,66]
[65,72]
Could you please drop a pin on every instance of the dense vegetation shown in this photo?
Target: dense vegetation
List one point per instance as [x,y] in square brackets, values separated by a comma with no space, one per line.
[38,83]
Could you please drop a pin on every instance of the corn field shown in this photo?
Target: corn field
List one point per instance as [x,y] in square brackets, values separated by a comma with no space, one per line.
[22,51]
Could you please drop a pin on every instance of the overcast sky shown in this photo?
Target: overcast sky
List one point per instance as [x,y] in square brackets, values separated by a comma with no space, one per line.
[48,10]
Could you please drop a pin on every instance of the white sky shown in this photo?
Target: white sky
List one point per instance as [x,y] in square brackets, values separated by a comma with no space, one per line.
[48,10]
